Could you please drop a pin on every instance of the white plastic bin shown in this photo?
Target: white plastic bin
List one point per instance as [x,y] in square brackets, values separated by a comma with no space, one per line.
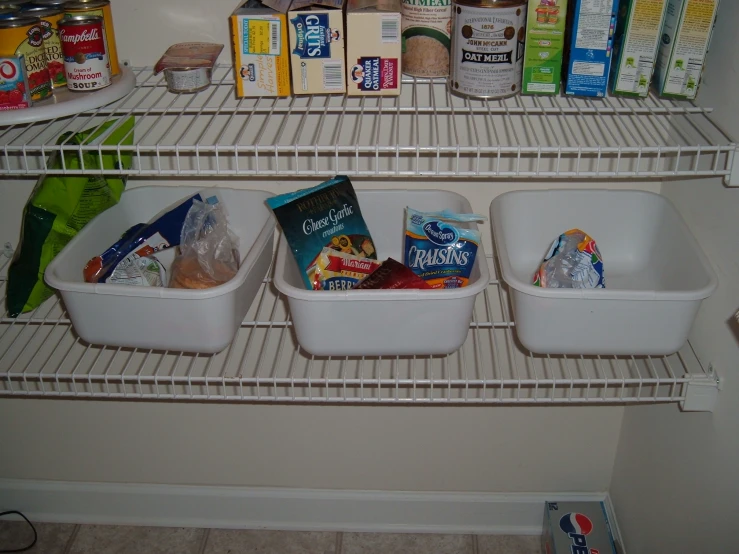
[156,317]
[383,322]
[656,274]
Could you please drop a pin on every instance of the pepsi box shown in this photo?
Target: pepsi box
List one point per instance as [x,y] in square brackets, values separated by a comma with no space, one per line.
[577,528]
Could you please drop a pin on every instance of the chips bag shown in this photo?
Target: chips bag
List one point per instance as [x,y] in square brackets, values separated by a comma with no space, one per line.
[61,205]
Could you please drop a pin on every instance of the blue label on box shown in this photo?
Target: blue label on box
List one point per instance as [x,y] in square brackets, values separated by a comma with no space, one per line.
[313,35]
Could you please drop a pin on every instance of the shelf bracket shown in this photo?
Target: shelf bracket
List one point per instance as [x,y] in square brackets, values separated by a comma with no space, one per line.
[732,179]
[701,391]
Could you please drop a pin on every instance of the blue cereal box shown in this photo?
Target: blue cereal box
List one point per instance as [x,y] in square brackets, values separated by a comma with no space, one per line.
[592,25]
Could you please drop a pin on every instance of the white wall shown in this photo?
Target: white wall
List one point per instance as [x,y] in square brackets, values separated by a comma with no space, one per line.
[676,478]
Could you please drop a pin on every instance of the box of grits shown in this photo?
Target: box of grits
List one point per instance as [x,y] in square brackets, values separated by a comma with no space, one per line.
[260,48]
[317,46]
[373,47]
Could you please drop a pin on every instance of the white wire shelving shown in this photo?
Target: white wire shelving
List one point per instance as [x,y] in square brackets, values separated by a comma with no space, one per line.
[40,355]
[426,132]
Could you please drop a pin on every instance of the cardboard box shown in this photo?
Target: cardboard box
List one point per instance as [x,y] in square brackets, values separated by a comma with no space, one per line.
[686,35]
[635,47]
[261,56]
[545,43]
[591,25]
[317,46]
[373,47]
[577,527]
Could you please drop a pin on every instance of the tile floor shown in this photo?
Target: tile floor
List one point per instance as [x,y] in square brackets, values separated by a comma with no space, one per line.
[56,538]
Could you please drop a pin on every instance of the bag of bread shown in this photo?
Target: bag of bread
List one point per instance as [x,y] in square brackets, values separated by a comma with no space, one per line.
[208,252]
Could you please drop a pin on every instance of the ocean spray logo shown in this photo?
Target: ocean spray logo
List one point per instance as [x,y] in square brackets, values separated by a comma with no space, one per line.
[578,527]
[312,35]
[440,234]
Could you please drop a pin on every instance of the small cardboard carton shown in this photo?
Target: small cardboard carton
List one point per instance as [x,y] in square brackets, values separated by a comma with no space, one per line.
[592,25]
[261,56]
[373,47]
[317,46]
[635,48]
[686,36]
[545,42]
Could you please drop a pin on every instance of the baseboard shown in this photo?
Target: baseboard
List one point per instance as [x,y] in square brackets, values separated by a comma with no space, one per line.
[289,509]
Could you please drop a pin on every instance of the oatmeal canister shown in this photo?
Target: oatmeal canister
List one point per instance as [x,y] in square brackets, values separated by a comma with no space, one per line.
[426,37]
[100,8]
[86,62]
[50,17]
[24,36]
[488,38]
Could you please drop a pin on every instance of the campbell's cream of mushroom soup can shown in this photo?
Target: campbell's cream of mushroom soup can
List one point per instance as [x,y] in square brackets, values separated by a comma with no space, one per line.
[488,39]
[317,46]
[373,47]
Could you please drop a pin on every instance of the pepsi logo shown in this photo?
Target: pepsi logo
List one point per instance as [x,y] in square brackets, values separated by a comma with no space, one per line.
[577,524]
[440,233]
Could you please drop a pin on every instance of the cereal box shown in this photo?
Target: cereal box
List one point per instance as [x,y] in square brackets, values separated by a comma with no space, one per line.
[545,41]
[686,35]
[261,55]
[317,46]
[592,24]
[636,44]
[373,47]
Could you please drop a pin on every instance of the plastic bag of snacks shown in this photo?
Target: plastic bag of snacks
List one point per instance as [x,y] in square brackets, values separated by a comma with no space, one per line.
[572,262]
[337,270]
[392,275]
[61,205]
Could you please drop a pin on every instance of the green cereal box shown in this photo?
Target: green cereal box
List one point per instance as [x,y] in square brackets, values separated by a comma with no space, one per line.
[686,36]
[545,40]
[636,45]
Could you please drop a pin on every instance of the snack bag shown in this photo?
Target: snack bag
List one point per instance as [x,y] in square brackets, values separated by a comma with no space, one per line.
[393,275]
[326,215]
[337,270]
[61,205]
[572,262]
[438,249]
[209,253]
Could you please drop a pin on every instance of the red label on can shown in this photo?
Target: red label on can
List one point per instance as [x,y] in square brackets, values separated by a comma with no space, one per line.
[86,62]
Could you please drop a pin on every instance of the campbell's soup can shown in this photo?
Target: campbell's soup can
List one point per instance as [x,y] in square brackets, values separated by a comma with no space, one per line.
[24,36]
[100,8]
[86,63]
[50,17]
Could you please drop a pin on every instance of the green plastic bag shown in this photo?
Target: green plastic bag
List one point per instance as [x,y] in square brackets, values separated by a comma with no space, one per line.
[59,207]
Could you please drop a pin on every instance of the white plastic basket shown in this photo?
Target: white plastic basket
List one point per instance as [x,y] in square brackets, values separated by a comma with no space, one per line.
[656,274]
[156,317]
[383,322]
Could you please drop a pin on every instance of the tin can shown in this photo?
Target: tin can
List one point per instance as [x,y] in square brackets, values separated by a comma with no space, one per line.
[488,39]
[8,10]
[50,17]
[187,79]
[426,31]
[86,62]
[45,3]
[23,36]
[102,9]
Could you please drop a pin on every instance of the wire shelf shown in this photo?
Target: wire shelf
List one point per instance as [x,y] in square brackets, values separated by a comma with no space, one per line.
[40,355]
[424,132]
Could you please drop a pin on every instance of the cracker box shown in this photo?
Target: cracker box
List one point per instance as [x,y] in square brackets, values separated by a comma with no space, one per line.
[373,47]
[317,46]
[260,48]
[545,42]
[686,35]
[591,24]
[635,47]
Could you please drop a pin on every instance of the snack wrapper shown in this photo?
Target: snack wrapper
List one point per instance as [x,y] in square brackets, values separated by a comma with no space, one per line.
[393,275]
[326,215]
[337,270]
[186,55]
[440,250]
[572,262]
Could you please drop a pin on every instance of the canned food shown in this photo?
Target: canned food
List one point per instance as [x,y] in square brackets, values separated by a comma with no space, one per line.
[187,79]
[50,17]
[8,10]
[426,37]
[100,8]
[488,39]
[45,3]
[23,35]
[86,62]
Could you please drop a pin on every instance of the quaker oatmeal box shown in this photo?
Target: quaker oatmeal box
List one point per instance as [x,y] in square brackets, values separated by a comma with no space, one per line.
[317,46]
[261,55]
[373,47]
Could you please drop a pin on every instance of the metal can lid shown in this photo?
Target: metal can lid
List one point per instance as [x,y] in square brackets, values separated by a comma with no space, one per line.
[49,3]
[81,19]
[491,3]
[42,11]
[86,4]
[19,21]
